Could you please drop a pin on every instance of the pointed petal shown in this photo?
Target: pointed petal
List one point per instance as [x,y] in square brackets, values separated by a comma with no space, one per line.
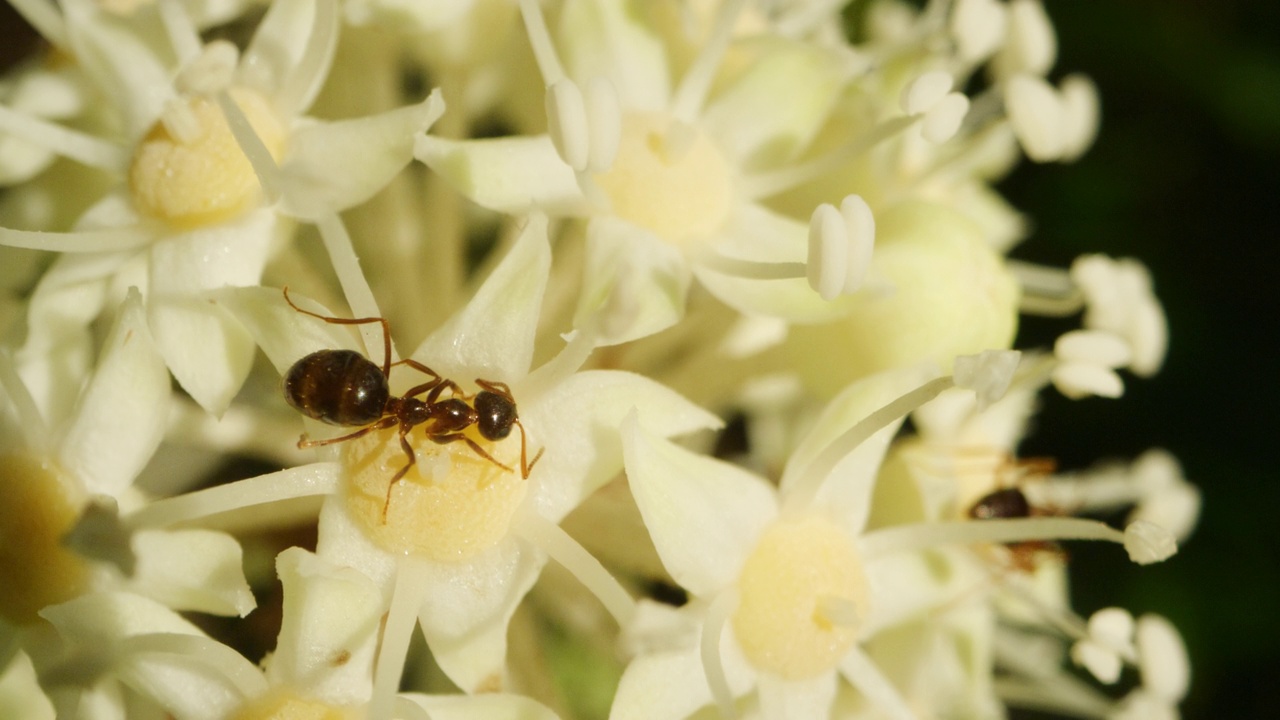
[331,613]
[197,570]
[510,175]
[609,40]
[284,334]
[492,337]
[290,52]
[577,423]
[204,346]
[120,416]
[772,111]
[466,613]
[331,166]
[847,490]
[797,699]
[704,515]
[634,284]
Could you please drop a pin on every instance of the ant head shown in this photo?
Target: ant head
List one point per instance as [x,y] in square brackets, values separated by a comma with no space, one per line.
[496,414]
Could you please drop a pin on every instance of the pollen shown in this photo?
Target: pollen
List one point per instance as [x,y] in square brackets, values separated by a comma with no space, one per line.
[189,170]
[37,507]
[283,705]
[676,184]
[451,506]
[803,595]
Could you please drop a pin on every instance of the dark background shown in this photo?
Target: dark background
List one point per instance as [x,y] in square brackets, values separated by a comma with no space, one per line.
[1181,177]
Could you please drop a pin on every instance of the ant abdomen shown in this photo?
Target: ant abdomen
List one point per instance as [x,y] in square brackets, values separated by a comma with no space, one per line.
[338,387]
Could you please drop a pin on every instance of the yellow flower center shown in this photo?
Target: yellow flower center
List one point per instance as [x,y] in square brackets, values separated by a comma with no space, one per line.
[451,506]
[190,171]
[803,596]
[284,705]
[679,187]
[37,507]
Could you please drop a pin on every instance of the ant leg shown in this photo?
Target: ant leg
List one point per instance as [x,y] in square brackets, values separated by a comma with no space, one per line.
[386,328]
[526,467]
[386,422]
[496,388]
[413,460]
[446,439]
[440,388]
[436,378]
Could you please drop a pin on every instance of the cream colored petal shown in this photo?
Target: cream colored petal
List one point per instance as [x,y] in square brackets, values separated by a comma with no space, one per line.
[634,284]
[284,334]
[121,414]
[796,699]
[197,570]
[492,337]
[511,174]
[609,40]
[704,515]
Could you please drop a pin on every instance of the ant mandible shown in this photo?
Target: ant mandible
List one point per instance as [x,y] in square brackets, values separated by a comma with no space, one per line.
[345,388]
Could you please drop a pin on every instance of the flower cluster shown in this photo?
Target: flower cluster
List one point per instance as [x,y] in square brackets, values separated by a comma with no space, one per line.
[712,406]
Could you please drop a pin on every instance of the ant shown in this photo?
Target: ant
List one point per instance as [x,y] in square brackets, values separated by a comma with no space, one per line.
[1011,502]
[345,388]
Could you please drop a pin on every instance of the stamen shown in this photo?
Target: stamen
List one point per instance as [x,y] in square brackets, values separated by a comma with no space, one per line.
[1080,103]
[300,87]
[766,184]
[1093,346]
[210,71]
[828,252]
[544,51]
[303,481]
[978,27]
[567,122]
[34,431]
[1036,113]
[867,678]
[943,121]
[264,165]
[1032,46]
[81,147]
[692,92]
[713,622]
[925,92]
[412,582]
[1046,291]
[1078,380]
[342,255]
[183,37]
[555,542]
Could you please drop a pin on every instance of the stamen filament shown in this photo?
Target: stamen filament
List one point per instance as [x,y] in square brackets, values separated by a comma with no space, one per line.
[303,481]
[921,536]
[355,287]
[717,615]
[86,241]
[555,542]
[752,269]
[264,166]
[867,678]
[412,581]
[692,92]
[568,361]
[544,51]
[81,147]
[767,184]
[1046,291]
[300,87]
[182,34]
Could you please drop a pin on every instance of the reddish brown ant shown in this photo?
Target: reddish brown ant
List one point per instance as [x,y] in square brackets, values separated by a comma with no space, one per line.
[345,388]
[1011,502]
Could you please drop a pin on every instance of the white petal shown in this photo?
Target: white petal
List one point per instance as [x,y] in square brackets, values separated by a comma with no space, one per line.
[279,44]
[577,423]
[510,174]
[492,337]
[192,570]
[847,491]
[468,608]
[772,111]
[607,39]
[797,699]
[121,414]
[334,165]
[284,334]
[704,515]
[329,630]
[634,285]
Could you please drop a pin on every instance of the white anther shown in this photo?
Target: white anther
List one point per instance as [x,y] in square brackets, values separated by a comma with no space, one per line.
[828,251]
[604,124]
[943,121]
[1148,543]
[1175,508]
[1149,334]
[1032,45]
[988,374]
[978,27]
[1162,658]
[1110,636]
[1078,380]
[1080,104]
[926,91]
[1097,347]
[840,246]
[209,72]
[860,224]
[1037,116]
[567,123]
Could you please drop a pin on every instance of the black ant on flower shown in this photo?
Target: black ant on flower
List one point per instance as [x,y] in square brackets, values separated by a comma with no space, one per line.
[345,388]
